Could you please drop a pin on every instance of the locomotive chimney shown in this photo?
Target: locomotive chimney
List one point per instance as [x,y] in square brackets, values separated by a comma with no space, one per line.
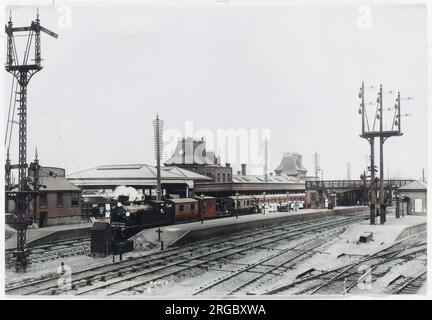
[243,169]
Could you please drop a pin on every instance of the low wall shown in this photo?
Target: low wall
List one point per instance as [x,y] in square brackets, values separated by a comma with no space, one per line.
[351,211]
[59,221]
[59,235]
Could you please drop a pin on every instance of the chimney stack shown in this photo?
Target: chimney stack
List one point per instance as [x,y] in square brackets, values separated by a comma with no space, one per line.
[227,164]
[243,169]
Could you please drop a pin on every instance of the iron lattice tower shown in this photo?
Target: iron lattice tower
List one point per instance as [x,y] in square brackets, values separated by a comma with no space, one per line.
[27,188]
[370,133]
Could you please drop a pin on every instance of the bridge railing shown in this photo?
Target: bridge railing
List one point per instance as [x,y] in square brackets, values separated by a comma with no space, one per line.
[351,184]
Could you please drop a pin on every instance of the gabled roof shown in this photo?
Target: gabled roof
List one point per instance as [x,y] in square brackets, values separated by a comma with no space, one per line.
[415,185]
[56,184]
[185,173]
[133,174]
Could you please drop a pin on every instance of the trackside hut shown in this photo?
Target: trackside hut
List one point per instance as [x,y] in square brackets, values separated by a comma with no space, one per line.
[414,195]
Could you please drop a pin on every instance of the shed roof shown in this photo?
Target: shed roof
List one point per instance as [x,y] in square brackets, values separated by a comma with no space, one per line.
[415,185]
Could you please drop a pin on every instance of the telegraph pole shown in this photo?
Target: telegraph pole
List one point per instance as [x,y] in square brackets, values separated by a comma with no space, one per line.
[371,140]
[372,182]
[26,190]
[370,134]
[382,139]
[158,134]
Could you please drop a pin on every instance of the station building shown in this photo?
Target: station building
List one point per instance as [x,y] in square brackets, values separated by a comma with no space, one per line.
[291,165]
[192,155]
[142,177]
[245,184]
[59,201]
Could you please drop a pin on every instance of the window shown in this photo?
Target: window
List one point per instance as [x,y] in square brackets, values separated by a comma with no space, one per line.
[43,199]
[223,177]
[218,177]
[181,207]
[75,200]
[228,177]
[192,206]
[59,199]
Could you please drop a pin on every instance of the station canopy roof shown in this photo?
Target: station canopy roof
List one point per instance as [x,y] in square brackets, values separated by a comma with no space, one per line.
[133,175]
[238,178]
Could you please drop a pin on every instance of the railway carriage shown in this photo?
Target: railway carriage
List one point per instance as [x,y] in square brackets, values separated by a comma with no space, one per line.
[207,205]
[244,204]
[185,209]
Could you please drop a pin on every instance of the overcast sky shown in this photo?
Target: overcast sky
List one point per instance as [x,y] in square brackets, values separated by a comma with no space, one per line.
[295,70]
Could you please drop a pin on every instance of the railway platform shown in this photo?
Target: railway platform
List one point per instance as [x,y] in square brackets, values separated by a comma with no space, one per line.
[181,234]
[50,234]
[381,235]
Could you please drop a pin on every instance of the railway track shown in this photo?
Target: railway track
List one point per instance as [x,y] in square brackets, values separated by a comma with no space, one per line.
[173,253]
[137,271]
[52,251]
[343,279]
[411,285]
[139,280]
[250,274]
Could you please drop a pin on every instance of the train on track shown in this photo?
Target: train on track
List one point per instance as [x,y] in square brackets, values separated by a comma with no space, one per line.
[136,216]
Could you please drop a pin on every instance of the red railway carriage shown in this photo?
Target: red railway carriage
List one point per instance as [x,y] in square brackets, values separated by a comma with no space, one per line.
[209,208]
[185,209]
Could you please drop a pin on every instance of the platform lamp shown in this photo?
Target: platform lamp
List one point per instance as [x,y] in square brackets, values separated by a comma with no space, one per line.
[264,194]
[202,208]
[237,205]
